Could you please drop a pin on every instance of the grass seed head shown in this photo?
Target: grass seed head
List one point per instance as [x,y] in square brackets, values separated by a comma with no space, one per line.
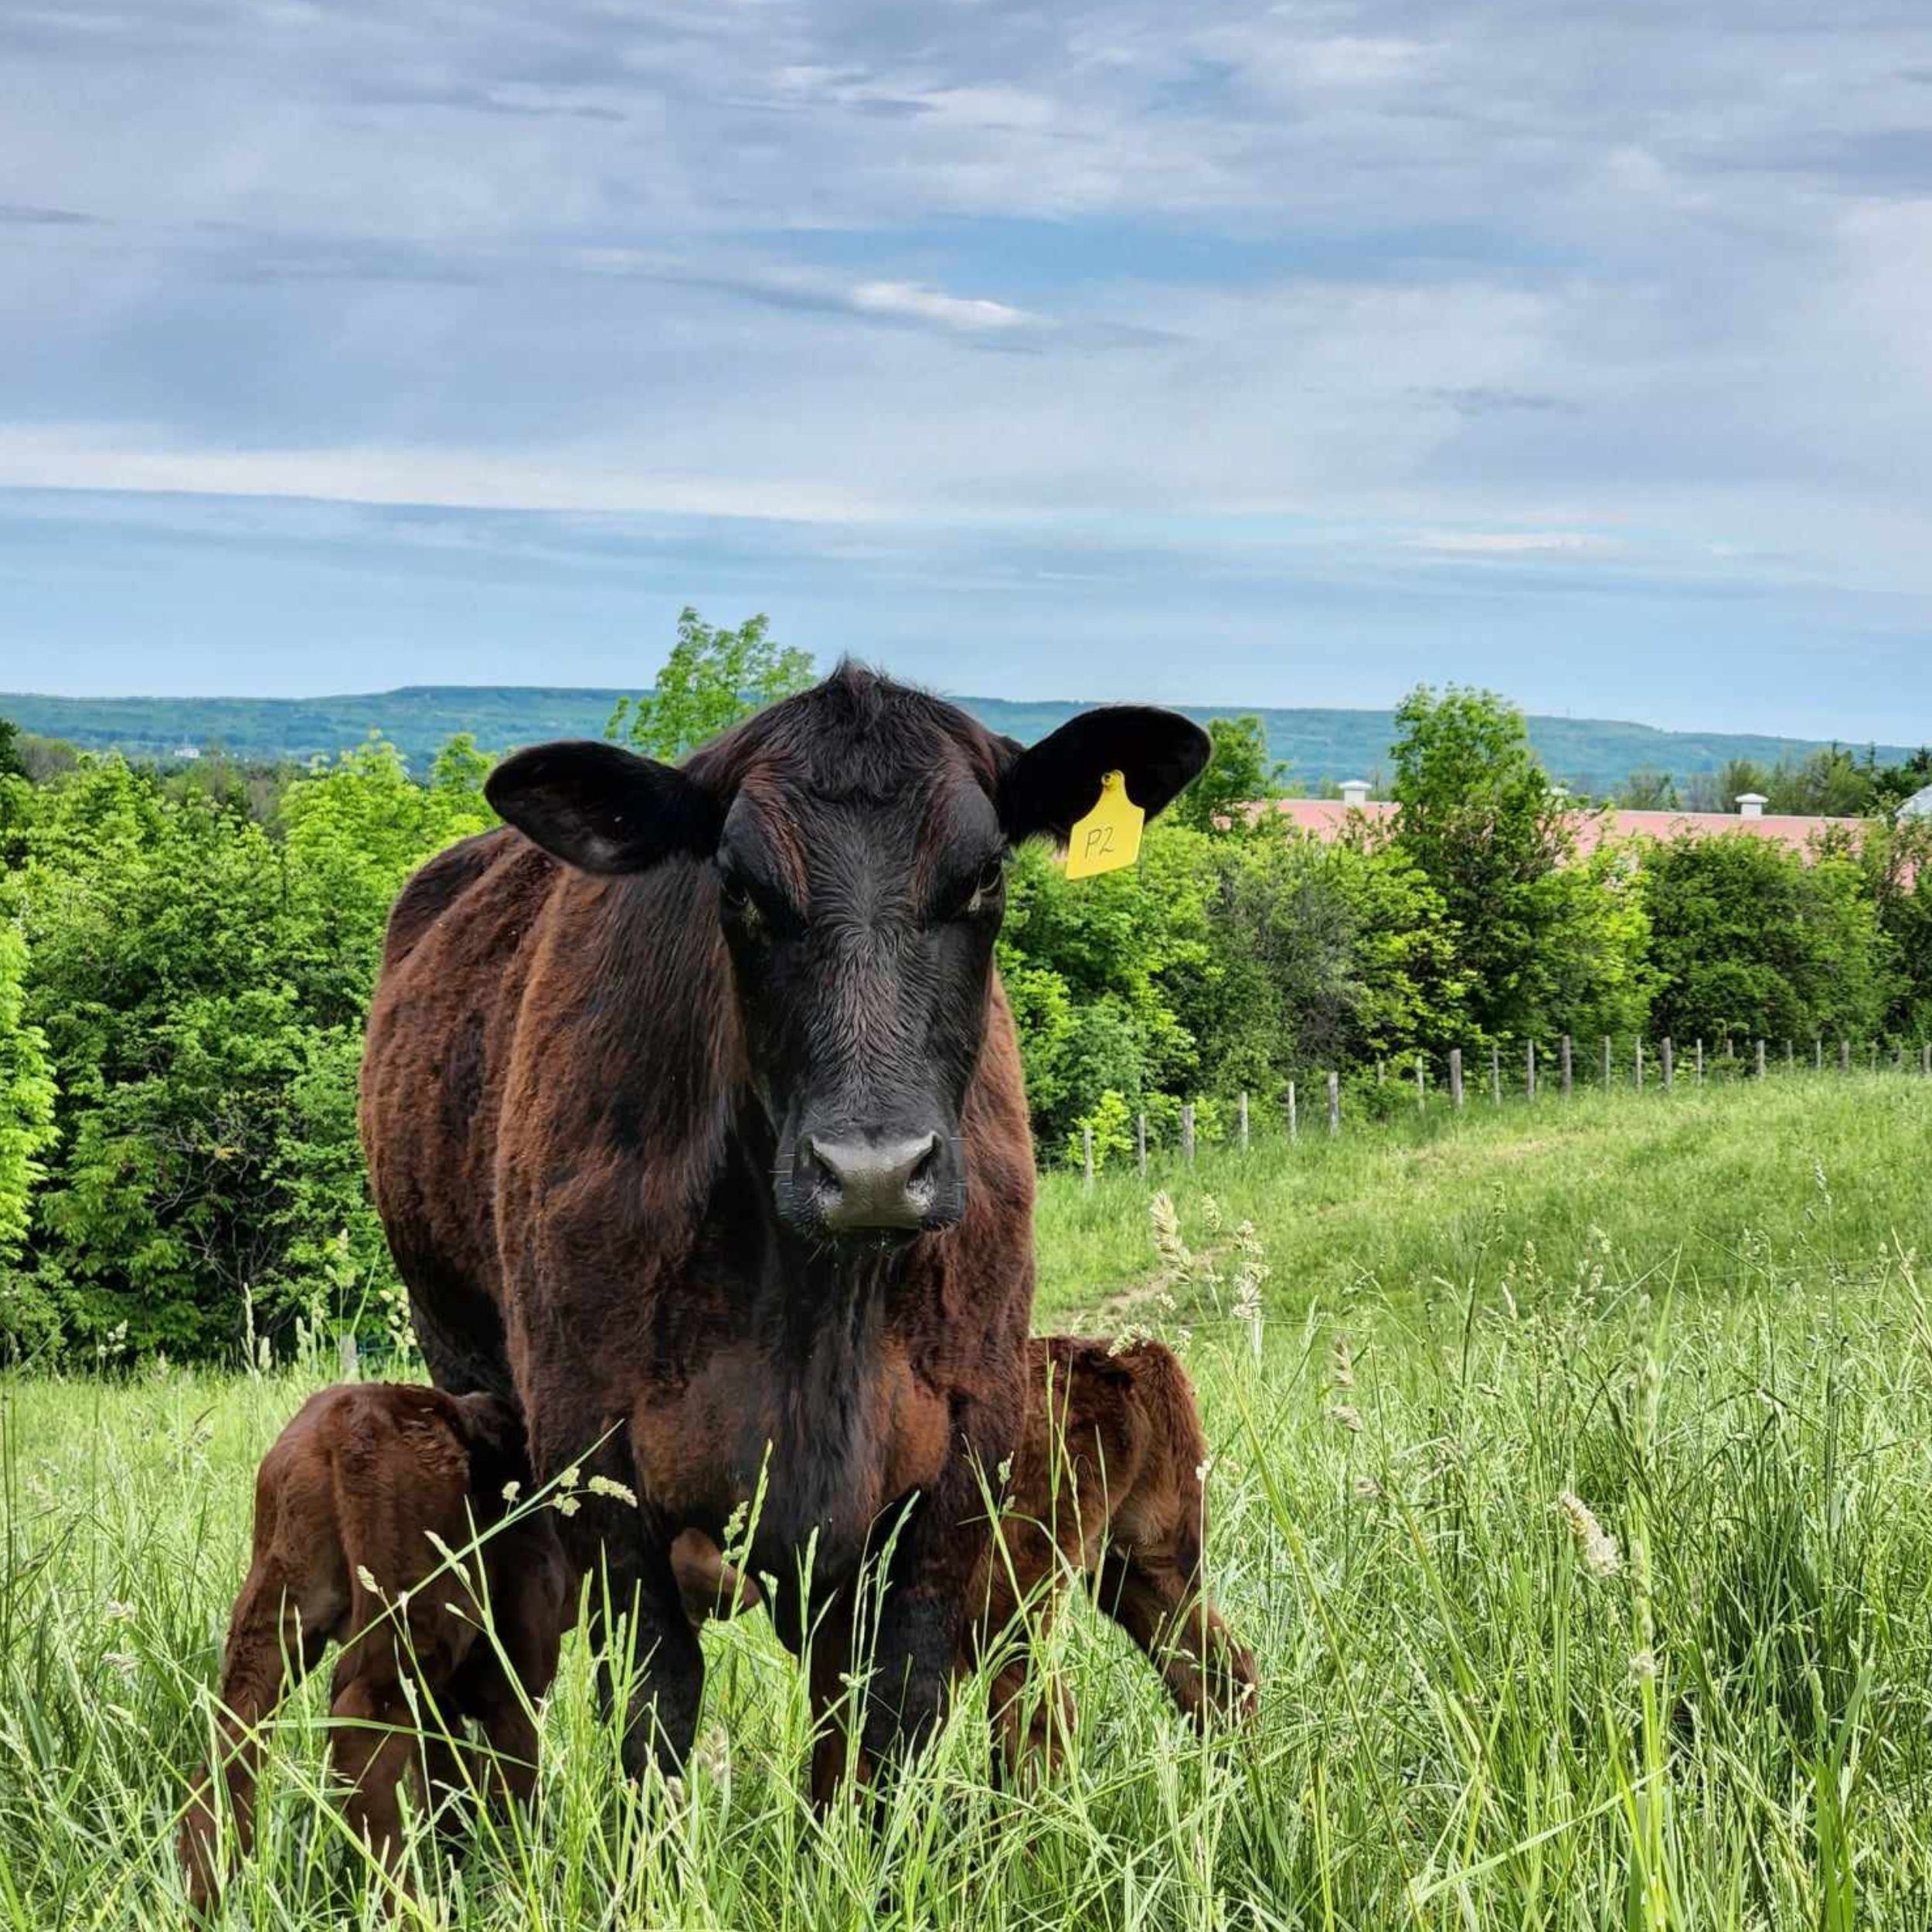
[1595,1545]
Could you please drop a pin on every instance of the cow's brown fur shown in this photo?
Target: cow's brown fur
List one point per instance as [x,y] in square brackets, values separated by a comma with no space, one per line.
[1106,1485]
[354,1489]
[553,1072]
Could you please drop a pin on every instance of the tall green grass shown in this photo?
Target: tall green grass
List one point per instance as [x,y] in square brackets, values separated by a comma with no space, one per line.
[1699,1320]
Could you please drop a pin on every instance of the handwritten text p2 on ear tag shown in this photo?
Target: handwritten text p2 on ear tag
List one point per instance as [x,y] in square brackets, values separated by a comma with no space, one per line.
[1109,837]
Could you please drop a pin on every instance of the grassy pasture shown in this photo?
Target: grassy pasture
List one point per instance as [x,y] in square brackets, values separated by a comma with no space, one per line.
[1701,1316]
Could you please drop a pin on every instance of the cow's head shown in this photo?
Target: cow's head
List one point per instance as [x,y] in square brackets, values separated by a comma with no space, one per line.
[856,838]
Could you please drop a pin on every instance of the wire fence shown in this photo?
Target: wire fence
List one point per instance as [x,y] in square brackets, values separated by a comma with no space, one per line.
[1327,1103]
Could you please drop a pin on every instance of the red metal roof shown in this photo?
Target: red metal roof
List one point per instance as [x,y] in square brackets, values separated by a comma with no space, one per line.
[1329,818]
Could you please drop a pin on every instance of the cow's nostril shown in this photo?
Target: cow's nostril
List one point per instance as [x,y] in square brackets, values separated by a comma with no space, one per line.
[920,1174]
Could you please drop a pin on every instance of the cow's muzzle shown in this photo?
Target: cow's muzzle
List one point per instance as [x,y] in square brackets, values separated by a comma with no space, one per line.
[861,1186]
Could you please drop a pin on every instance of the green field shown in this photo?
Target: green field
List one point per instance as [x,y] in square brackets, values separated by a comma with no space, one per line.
[1700,1314]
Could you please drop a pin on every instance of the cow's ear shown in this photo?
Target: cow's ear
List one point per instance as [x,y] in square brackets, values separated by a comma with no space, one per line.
[601,808]
[1052,785]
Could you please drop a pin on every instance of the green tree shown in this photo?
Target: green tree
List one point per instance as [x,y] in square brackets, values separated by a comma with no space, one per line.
[1830,783]
[713,678]
[1747,940]
[1239,771]
[1719,791]
[1648,790]
[1542,948]
[1097,970]
[1893,785]
[154,926]
[1896,856]
[200,979]
[351,833]
[1326,955]
[26,1094]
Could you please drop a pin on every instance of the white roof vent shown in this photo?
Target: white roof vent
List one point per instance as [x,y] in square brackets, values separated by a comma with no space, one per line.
[1354,793]
[1751,804]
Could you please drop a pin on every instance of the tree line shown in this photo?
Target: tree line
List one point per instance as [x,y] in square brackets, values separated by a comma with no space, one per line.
[186,959]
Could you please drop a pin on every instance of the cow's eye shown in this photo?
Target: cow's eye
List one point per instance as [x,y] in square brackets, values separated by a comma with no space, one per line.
[992,876]
[736,898]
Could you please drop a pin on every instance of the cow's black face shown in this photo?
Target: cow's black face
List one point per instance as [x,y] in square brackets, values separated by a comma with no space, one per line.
[861,935]
[857,836]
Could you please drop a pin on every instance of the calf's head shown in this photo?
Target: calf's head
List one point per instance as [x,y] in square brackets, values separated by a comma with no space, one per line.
[853,841]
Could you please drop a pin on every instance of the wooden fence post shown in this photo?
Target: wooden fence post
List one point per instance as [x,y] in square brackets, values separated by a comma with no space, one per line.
[1086,1158]
[1844,1055]
[1422,1081]
[346,1368]
[1821,1053]
[1700,1063]
[1380,1070]
[1670,1064]
[1244,1119]
[1925,1061]
[1495,1072]
[1530,1071]
[1760,1059]
[1790,1058]
[1605,1063]
[1568,1081]
[1140,1143]
[1455,1078]
[1295,1125]
[1187,1132]
[1639,1063]
[1335,1105]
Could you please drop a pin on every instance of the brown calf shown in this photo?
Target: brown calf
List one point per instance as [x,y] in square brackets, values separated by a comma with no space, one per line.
[351,1493]
[1106,1484]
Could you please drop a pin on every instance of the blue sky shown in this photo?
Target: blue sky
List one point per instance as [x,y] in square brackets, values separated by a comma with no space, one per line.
[1285,354]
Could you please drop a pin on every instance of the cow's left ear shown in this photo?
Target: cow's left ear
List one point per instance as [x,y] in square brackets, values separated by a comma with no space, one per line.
[1050,787]
[601,808]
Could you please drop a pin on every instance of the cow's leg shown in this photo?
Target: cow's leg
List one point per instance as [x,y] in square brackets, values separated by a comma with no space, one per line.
[271,1645]
[940,1547]
[828,1661]
[631,1579]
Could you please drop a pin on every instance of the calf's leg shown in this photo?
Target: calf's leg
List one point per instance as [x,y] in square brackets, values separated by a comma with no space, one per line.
[271,1645]
[375,1748]
[1155,1596]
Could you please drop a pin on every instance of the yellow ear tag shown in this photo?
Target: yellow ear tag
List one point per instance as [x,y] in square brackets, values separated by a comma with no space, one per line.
[1109,837]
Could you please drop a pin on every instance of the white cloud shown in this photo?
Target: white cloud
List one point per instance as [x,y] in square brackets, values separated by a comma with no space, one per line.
[79,458]
[1364,264]
[970,314]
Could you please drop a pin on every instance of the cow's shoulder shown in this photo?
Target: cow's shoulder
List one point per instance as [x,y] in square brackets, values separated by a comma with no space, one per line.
[434,887]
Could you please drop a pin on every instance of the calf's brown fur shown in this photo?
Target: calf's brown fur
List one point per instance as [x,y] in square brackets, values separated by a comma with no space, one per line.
[354,1487]
[1106,1485]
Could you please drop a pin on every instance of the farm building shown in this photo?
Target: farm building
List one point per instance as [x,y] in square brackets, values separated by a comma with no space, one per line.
[1329,818]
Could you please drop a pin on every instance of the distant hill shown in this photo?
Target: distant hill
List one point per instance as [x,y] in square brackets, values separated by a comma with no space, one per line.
[1593,754]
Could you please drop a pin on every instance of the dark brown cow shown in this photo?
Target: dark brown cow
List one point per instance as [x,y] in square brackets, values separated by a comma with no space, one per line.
[1106,1485]
[693,1111]
[352,1493]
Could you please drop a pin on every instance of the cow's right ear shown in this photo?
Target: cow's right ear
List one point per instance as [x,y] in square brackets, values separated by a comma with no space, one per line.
[601,808]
